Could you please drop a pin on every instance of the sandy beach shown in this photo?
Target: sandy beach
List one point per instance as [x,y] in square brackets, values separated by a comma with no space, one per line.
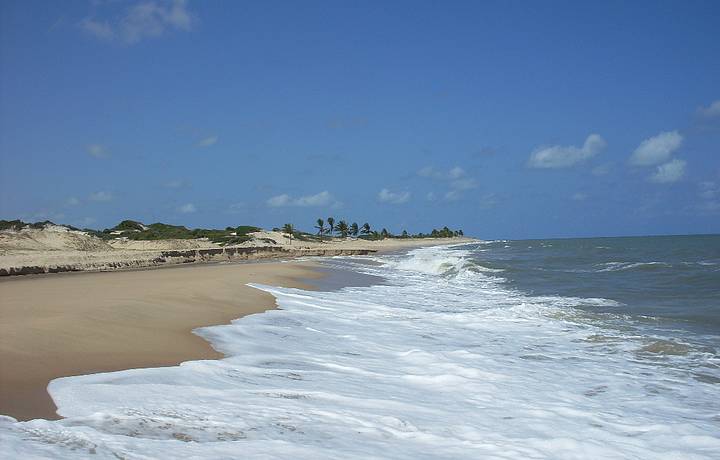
[79,323]
[115,316]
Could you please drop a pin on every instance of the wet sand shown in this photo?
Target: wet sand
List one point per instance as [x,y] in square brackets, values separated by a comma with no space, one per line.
[81,323]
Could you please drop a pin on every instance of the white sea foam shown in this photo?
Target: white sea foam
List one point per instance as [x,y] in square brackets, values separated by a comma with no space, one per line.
[442,361]
[620,266]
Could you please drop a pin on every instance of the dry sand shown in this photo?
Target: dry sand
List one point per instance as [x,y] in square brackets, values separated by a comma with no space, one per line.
[57,325]
[80,323]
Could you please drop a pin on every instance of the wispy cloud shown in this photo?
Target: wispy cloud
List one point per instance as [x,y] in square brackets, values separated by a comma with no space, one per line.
[72,201]
[187,208]
[100,196]
[466,183]
[489,200]
[236,208]
[99,29]
[709,192]
[431,172]
[207,142]
[323,198]
[670,172]
[564,156]
[386,196]
[279,200]
[711,111]
[456,179]
[97,150]
[145,19]
[452,195]
[579,196]
[657,149]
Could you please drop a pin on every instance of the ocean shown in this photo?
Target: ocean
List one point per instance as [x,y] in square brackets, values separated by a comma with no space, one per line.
[564,349]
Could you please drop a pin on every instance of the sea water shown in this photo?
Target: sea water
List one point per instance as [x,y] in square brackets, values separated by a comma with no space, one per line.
[563,349]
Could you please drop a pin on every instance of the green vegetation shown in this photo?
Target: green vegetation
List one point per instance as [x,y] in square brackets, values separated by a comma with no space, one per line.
[320,228]
[289,231]
[129,225]
[343,230]
[17,224]
[134,230]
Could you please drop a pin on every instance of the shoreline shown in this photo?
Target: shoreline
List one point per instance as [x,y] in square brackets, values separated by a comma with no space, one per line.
[58,326]
[86,322]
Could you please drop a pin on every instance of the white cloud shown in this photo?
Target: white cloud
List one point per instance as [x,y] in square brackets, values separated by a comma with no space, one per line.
[670,172]
[386,196]
[452,195]
[713,110]
[207,142]
[279,200]
[709,193]
[72,201]
[100,196]
[563,156]
[97,150]
[579,196]
[101,30]
[430,196]
[433,173]
[323,198]
[145,19]
[187,208]
[456,178]
[456,172]
[320,199]
[709,190]
[467,183]
[656,149]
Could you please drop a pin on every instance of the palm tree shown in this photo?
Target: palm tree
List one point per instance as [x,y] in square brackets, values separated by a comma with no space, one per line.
[321,228]
[365,230]
[342,228]
[354,229]
[384,233]
[288,229]
[331,225]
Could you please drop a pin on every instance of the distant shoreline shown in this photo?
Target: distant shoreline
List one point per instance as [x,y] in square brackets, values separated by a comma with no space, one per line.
[14,262]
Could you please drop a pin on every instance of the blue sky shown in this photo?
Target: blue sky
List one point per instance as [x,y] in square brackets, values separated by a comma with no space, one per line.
[506,119]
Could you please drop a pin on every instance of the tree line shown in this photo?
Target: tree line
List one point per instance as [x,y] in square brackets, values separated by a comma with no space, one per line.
[343,229]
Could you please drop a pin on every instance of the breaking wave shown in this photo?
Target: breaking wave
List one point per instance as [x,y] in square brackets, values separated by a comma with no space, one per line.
[443,360]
